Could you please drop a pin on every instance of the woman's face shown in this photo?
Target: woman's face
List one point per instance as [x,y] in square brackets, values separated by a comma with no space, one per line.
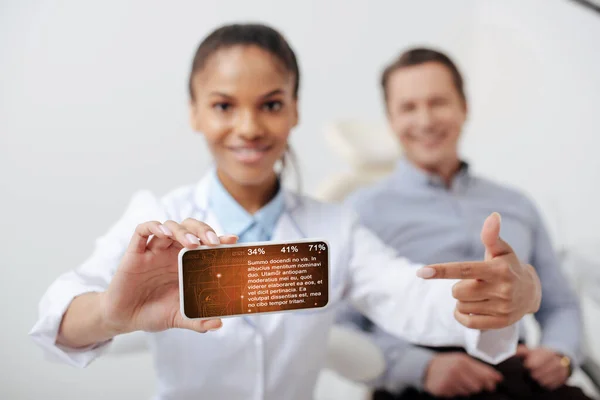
[245,105]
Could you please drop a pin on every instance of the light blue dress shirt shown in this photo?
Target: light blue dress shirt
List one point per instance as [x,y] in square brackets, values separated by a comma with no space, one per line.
[417,215]
[234,219]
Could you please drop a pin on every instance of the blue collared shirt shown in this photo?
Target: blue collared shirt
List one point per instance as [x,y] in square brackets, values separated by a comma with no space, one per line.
[234,219]
[422,219]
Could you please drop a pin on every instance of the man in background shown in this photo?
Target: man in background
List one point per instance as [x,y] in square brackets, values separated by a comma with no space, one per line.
[430,210]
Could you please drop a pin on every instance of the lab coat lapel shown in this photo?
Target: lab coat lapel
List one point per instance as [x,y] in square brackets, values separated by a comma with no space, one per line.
[204,213]
[288,227]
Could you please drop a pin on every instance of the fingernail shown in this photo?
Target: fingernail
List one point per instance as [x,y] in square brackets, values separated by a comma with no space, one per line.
[226,237]
[220,324]
[212,237]
[426,272]
[499,216]
[192,239]
[165,230]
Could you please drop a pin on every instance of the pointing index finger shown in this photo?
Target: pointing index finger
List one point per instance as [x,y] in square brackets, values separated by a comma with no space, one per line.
[457,270]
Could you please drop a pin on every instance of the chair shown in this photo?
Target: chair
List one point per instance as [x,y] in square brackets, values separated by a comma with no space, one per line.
[369,150]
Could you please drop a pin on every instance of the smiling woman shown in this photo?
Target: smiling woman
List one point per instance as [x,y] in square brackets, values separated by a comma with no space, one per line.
[243,99]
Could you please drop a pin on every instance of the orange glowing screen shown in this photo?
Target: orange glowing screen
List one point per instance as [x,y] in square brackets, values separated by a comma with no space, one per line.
[254,278]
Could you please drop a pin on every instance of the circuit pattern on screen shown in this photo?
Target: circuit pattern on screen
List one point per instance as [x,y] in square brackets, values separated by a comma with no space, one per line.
[252,279]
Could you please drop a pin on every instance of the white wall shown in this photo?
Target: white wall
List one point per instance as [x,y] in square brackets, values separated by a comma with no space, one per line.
[535,86]
[534,80]
[93,107]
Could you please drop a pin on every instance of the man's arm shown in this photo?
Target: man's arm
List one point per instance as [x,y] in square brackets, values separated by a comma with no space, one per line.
[489,297]
[559,315]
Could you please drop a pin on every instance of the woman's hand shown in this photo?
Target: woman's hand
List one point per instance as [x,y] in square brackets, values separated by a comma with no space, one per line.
[144,292]
[493,293]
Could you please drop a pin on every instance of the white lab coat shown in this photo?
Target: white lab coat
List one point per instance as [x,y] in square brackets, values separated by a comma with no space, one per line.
[274,356]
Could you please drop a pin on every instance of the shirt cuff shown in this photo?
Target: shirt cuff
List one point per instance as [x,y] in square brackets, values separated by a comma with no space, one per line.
[493,346]
[407,368]
[45,331]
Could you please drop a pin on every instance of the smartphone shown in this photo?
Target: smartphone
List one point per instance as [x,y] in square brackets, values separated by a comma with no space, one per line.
[253,278]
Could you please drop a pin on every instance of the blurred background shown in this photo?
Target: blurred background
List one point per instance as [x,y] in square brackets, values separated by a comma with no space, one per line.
[93,106]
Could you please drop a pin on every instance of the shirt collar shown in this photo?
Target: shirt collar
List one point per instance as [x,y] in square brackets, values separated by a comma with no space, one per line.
[234,219]
[408,174]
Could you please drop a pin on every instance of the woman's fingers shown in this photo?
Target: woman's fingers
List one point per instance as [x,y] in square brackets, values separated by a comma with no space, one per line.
[183,235]
[228,239]
[482,322]
[190,233]
[200,326]
[485,307]
[202,231]
[470,290]
[161,243]
[142,233]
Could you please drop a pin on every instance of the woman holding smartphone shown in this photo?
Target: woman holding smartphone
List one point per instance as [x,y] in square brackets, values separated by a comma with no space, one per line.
[243,87]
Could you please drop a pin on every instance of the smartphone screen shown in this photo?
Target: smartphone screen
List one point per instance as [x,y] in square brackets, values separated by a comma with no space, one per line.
[248,279]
